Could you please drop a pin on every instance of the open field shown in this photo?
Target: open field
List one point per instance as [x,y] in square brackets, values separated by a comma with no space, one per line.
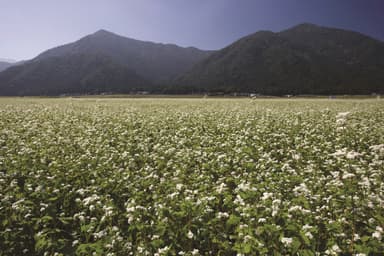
[191,176]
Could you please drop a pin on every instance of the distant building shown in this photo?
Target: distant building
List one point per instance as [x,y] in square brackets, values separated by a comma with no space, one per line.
[254,95]
[142,92]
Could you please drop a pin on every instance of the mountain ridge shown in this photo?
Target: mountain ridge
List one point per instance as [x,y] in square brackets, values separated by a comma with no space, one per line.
[4,65]
[137,65]
[304,59]
[153,61]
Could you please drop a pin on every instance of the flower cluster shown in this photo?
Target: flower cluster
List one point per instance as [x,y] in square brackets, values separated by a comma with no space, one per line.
[191,177]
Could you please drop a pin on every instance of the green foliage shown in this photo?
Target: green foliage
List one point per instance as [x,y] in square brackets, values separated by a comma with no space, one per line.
[191,177]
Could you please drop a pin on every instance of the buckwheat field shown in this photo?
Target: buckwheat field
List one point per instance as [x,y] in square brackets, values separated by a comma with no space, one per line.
[191,177]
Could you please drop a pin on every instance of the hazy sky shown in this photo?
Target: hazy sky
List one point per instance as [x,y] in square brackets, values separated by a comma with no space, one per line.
[28,27]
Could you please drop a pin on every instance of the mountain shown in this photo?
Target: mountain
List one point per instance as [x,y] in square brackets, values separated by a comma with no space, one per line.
[7,60]
[70,74]
[153,61]
[97,63]
[306,59]
[4,65]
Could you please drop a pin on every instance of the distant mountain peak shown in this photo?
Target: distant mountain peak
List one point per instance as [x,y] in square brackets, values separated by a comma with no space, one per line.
[7,60]
[103,32]
[100,62]
[263,33]
[305,27]
[305,59]
[307,24]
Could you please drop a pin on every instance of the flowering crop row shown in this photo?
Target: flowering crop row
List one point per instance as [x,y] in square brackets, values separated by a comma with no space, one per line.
[191,177]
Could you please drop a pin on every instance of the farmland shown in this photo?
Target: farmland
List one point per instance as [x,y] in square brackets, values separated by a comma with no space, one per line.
[191,176]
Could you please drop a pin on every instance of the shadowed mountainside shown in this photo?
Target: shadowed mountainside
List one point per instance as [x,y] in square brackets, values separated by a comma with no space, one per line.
[100,62]
[153,61]
[4,65]
[306,59]
[72,74]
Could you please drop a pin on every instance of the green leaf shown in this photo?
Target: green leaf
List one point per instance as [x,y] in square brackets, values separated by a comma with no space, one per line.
[292,228]
[295,245]
[305,252]
[66,220]
[46,219]
[305,239]
[233,220]
[157,243]
[43,243]
[247,248]
[88,249]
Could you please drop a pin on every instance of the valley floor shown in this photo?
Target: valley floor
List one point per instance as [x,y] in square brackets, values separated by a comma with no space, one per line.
[185,176]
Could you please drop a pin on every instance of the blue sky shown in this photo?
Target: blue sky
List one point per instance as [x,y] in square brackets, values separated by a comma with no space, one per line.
[29,27]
